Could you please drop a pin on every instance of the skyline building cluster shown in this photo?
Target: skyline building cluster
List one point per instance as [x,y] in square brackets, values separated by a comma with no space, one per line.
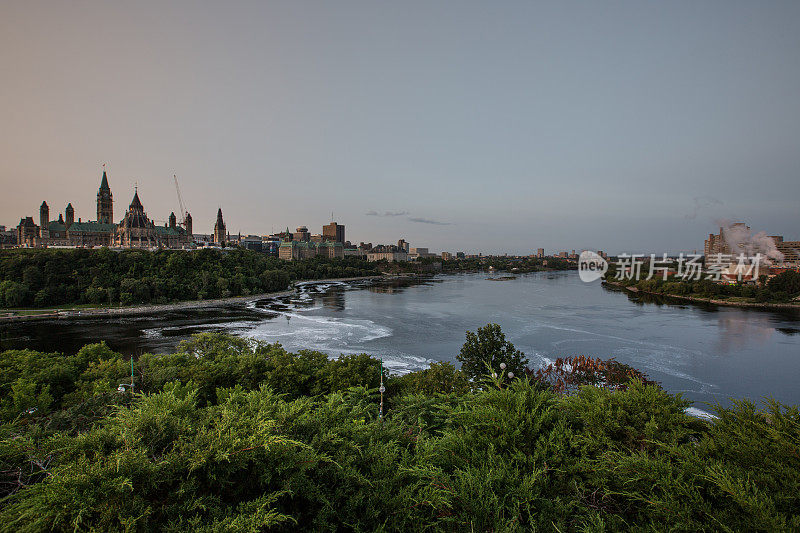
[135,230]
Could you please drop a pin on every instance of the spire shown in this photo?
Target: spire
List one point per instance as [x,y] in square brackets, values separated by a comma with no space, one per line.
[104,184]
[136,203]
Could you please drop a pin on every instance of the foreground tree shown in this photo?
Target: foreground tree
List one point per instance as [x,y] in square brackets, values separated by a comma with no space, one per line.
[490,346]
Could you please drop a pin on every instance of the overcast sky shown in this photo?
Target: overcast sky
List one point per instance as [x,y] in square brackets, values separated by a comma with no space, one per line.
[476,126]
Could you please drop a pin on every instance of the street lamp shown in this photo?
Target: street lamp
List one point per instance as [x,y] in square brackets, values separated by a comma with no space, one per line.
[382,389]
[124,386]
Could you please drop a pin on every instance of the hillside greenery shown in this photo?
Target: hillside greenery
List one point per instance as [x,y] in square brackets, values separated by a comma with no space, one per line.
[782,288]
[232,435]
[46,278]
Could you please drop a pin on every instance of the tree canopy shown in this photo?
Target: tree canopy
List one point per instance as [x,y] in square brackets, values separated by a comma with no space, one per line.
[44,278]
[489,347]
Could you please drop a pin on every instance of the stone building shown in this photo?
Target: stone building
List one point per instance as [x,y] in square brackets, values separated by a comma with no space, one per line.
[27,232]
[136,230]
[219,229]
[387,256]
[294,250]
[105,202]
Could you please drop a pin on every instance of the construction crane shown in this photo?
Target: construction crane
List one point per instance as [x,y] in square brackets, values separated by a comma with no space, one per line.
[180,201]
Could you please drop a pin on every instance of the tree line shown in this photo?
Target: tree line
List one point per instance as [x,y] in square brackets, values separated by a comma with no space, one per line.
[45,278]
[781,288]
[228,434]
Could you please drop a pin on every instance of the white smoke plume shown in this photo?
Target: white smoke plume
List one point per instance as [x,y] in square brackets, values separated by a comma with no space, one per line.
[741,241]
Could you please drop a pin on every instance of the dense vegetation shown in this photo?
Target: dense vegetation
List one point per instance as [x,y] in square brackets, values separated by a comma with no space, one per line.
[508,264]
[227,434]
[44,278]
[516,265]
[782,288]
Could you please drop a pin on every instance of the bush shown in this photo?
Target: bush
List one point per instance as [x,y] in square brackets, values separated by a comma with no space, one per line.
[209,443]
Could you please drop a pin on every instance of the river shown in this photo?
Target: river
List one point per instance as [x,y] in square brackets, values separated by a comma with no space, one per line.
[707,353]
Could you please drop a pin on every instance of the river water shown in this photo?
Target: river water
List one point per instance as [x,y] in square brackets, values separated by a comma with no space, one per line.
[707,353]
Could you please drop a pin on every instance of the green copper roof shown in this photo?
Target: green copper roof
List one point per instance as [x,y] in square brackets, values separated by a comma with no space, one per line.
[168,231]
[91,227]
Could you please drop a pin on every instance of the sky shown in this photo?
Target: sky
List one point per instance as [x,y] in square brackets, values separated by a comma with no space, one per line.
[478,126]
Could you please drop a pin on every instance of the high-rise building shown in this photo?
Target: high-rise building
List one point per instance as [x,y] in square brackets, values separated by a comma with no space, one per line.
[219,229]
[736,239]
[540,253]
[718,244]
[333,232]
[105,202]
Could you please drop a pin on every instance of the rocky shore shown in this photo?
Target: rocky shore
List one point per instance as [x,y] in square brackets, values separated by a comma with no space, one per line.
[149,309]
[697,299]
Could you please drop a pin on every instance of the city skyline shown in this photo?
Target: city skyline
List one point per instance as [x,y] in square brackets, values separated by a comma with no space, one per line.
[491,129]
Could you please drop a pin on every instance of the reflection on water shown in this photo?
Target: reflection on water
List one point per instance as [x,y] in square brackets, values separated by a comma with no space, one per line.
[737,332]
[706,352]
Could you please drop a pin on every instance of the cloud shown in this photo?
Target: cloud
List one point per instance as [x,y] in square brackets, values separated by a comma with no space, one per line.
[419,220]
[428,221]
[373,213]
[701,203]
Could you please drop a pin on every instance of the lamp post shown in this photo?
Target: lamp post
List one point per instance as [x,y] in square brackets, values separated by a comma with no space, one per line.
[123,386]
[382,389]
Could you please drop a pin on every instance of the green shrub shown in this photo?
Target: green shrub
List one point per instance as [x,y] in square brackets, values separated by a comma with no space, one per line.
[228,434]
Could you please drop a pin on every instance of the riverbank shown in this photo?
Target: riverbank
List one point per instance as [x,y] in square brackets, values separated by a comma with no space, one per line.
[712,301]
[94,312]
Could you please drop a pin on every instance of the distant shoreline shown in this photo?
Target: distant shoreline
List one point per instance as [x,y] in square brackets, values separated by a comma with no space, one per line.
[148,309]
[696,299]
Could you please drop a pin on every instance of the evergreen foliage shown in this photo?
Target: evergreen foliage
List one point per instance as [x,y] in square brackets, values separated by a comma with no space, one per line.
[228,434]
[489,347]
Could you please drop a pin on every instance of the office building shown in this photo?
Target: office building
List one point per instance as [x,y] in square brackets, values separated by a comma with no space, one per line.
[333,232]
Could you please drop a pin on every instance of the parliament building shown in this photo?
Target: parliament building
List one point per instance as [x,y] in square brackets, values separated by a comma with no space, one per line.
[135,230]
